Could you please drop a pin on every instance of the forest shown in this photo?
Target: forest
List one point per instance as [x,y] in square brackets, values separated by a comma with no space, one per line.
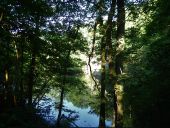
[84,63]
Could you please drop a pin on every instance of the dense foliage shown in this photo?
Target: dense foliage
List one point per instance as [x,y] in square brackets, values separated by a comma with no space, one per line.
[40,46]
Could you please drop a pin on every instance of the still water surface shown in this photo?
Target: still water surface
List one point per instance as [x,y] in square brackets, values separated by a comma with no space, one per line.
[83,116]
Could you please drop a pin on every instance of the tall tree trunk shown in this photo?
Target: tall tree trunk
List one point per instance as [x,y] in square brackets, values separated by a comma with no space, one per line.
[17,94]
[31,76]
[62,88]
[8,87]
[103,67]
[21,75]
[33,40]
[118,89]
[17,74]
[111,57]
[102,92]
[9,99]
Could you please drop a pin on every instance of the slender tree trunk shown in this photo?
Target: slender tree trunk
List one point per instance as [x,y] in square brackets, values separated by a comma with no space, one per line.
[60,107]
[112,72]
[118,89]
[9,99]
[91,55]
[6,83]
[102,92]
[31,77]
[62,88]
[103,67]
[8,87]
[34,39]
[17,73]
[21,75]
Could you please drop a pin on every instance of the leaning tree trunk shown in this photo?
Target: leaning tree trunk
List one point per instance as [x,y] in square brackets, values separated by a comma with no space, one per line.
[91,55]
[118,88]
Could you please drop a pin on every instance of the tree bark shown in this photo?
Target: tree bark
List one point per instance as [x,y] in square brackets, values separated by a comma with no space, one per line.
[17,73]
[33,40]
[118,88]
[9,100]
[103,67]
[111,56]
[21,75]
[31,77]
[102,92]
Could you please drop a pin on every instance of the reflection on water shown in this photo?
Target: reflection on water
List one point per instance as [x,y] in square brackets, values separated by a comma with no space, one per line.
[81,117]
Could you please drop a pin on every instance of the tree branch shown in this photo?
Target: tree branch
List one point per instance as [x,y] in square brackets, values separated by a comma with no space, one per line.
[91,55]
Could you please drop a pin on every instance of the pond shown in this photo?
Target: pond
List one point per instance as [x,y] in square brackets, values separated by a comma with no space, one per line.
[76,116]
[81,103]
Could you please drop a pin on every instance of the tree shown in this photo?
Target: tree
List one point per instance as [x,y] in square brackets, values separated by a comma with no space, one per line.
[120,42]
[144,86]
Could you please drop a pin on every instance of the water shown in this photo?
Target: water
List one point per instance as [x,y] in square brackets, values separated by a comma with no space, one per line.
[81,116]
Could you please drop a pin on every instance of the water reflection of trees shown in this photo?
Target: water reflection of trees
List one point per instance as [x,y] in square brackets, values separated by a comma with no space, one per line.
[82,96]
